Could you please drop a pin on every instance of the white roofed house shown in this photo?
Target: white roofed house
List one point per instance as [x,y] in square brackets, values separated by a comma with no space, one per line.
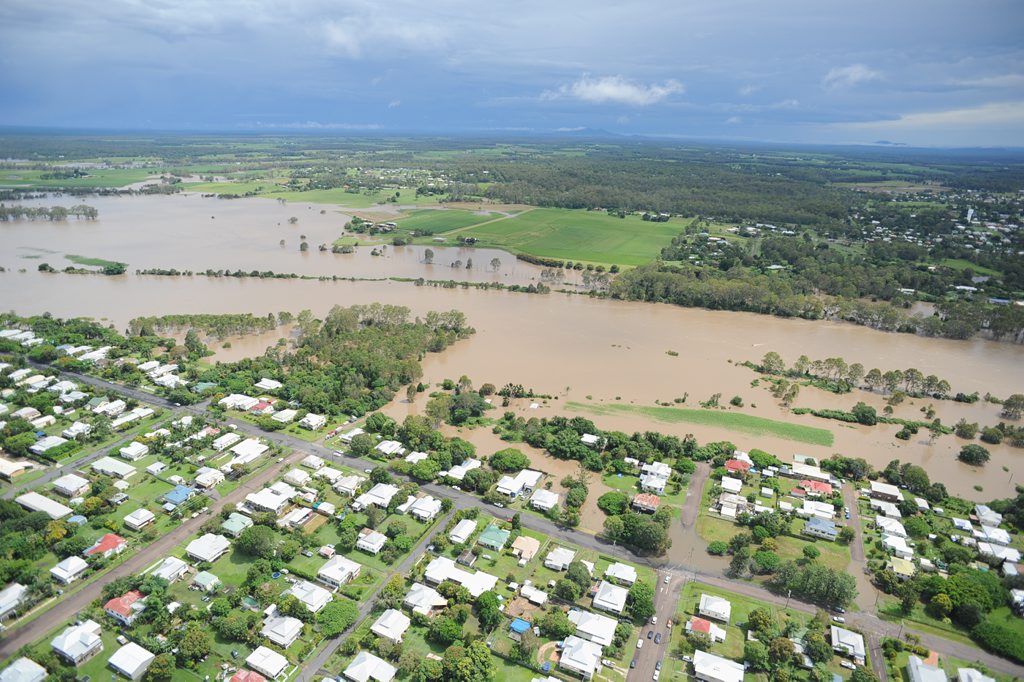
[246,452]
[621,573]
[69,570]
[366,667]
[11,597]
[890,526]
[593,626]
[986,516]
[559,558]
[77,643]
[379,495]
[266,384]
[312,596]
[77,429]
[268,500]
[338,571]
[208,477]
[442,568]
[312,462]
[71,485]
[523,482]
[389,448]
[108,466]
[654,477]
[170,569]
[919,671]
[134,451]
[391,624]
[462,531]
[329,474]
[47,443]
[590,439]
[350,434]
[731,485]
[711,668]
[544,500]
[33,501]
[224,442]
[425,508]
[885,491]
[415,457]
[898,546]
[423,600]
[285,416]
[459,471]
[281,630]
[348,485]
[848,643]
[887,508]
[23,670]
[580,656]
[208,548]
[715,607]
[610,597]
[131,660]
[267,662]
[371,541]
[297,477]
[313,422]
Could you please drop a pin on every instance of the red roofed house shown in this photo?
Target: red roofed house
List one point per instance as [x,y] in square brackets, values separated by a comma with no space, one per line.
[646,502]
[107,546]
[262,407]
[247,676]
[714,632]
[126,607]
[737,466]
[816,488]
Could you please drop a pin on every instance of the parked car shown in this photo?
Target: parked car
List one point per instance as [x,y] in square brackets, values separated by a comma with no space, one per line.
[650,634]
[632,664]
[654,620]
[657,638]
[657,666]
[838,619]
[667,578]
[639,644]
[688,659]
[839,609]
[657,674]
[847,665]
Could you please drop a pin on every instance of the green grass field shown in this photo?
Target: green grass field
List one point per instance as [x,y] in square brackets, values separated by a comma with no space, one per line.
[961,264]
[591,236]
[112,177]
[441,221]
[734,421]
[97,262]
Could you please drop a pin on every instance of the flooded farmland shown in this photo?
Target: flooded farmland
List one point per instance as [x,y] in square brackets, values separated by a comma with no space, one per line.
[590,352]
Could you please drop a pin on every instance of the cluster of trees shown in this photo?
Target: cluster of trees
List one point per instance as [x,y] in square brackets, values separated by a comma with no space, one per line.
[53,213]
[643,533]
[815,583]
[837,375]
[353,362]
[216,326]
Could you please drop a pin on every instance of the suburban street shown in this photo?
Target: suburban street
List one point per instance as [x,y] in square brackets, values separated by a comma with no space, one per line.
[867,622]
[666,602]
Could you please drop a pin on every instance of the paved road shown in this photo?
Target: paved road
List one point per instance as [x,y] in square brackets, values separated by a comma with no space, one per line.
[315,668]
[865,621]
[161,547]
[666,603]
[866,592]
[691,509]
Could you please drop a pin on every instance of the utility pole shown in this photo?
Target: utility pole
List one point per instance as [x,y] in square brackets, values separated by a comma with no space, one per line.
[789,593]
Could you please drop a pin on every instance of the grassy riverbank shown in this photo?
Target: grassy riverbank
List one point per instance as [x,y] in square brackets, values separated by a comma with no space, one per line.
[734,421]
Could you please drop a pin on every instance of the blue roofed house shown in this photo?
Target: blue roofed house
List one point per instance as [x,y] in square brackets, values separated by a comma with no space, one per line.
[821,528]
[179,495]
[517,628]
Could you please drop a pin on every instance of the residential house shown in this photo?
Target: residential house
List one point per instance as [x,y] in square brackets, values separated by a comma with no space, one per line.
[131,660]
[816,488]
[224,442]
[179,495]
[459,471]
[416,457]
[715,607]
[737,467]
[266,384]
[544,500]
[78,642]
[206,582]
[654,477]
[848,643]
[11,598]
[904,569]
[442,568]
[134,451]
[38,503]
[107,546]
[338,571]
[494,537]
[77,429]
[281,630]
[610,597]
[366,667]
[313,422]
[108,466]
[890,526]
[887,508]
[371,541]
[731,485]
[986,516]
[822,510]
[9,469]
[425,508]
[646,502]
[522,483]
[379,495]
[593,626]
[312,462]
[348,485]
[23,670]
[580,656]
[126,608]
[821,528]
[621,573]
[247,676]
[462,531]
[711,668]
[885,491]
[235,523]
[714,632]
[72,485]
[350,434]
[208,548]
[390,448]
[297,477]
[559,558]
[919,671]
[972,675]
[391,624]
[898,546]
[269,500]
[170,569]
[69,570]
[423,600]
[208,477]
[312,596]
[267,662]
[525,547]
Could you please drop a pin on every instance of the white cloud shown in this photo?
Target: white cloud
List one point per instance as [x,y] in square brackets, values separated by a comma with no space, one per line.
[1008,80]
[748,90]
[1002,113]
[367,35]
[848,76]
[394,104]
[733,120]
[615,90]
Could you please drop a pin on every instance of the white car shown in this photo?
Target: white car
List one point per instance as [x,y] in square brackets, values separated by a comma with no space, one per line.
[667,578]
[848,665]
[838,619]
[639,644]
[654,620]
[657,674]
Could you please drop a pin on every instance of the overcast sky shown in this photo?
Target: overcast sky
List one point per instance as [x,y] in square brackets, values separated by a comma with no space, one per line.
[923,72]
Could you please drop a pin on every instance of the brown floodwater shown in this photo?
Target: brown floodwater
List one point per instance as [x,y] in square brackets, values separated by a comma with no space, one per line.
[192,232]
[588,351]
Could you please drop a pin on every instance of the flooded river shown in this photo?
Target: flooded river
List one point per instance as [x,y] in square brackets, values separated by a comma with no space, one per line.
[587,351]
